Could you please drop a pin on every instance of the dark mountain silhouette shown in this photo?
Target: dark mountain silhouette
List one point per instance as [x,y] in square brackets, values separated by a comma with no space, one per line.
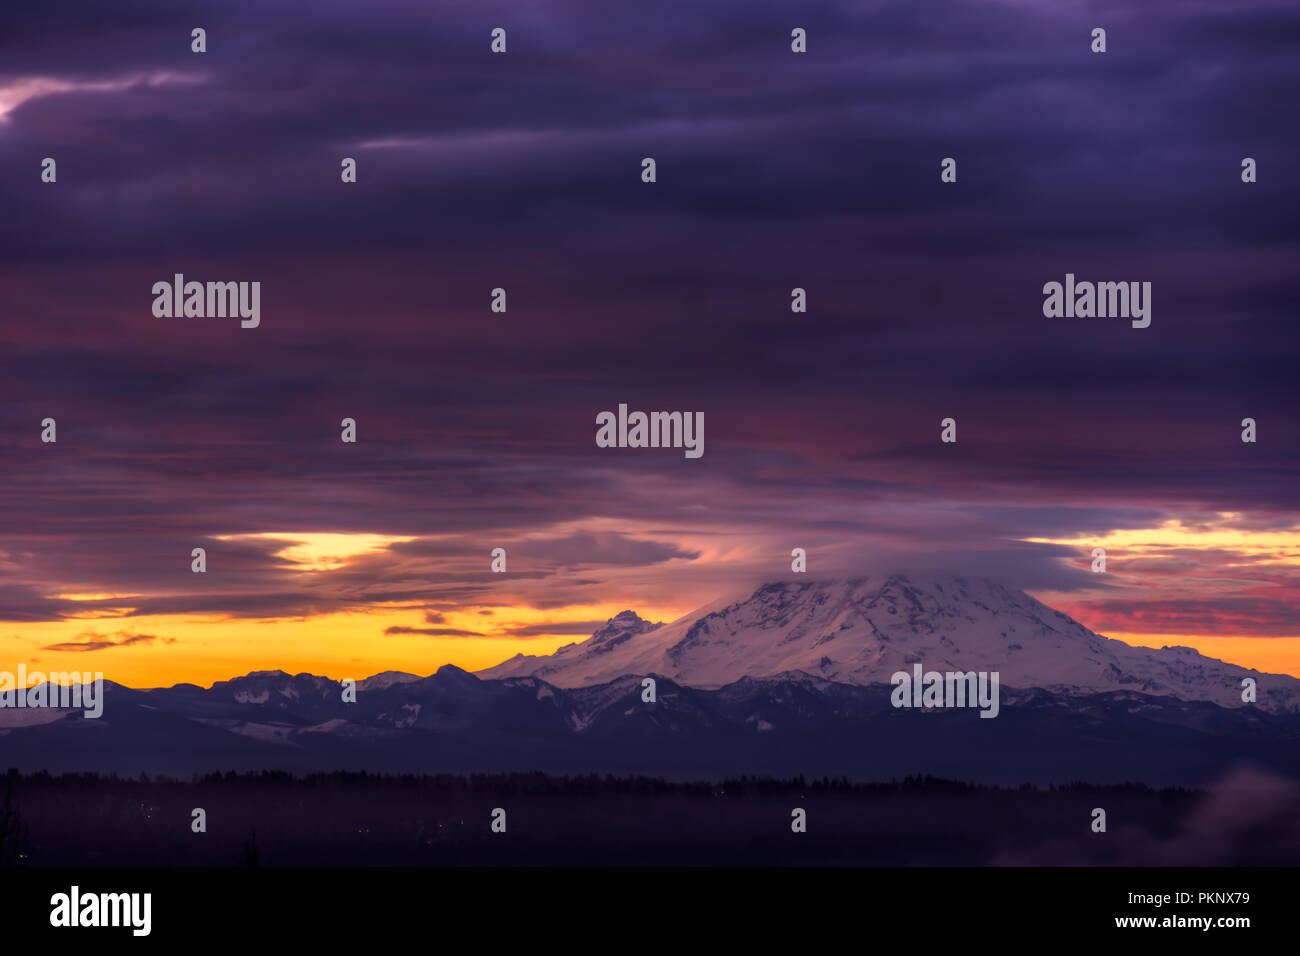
[795,723]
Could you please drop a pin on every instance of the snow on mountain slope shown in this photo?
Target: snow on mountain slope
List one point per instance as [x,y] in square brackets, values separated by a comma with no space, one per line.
[386,679]
[617,633]
[861,631]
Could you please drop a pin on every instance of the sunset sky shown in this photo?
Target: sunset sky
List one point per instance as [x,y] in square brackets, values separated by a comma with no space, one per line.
[523,171]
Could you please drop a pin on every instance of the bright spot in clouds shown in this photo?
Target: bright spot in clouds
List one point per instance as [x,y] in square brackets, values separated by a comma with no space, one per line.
[321,552]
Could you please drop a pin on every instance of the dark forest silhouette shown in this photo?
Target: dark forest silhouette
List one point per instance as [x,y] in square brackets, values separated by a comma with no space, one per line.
[352,818]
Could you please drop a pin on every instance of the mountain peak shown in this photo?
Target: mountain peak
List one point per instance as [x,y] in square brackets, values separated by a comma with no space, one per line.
[619,628]
[452,672]
[861,630]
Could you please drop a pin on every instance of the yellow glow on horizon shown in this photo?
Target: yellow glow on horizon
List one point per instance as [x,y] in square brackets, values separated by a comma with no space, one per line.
[1272,655]
[339,645]
[353,644]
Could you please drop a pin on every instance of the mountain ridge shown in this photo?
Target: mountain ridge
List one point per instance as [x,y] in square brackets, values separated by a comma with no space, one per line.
[781,725]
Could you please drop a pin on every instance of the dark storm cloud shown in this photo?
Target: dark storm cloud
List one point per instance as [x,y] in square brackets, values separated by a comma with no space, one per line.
[1257,617]
[100,642]
[433,631]
[585,628]
[522,171]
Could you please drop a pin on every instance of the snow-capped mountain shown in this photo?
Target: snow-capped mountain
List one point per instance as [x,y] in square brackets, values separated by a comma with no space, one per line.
[863,630]
[794,678]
